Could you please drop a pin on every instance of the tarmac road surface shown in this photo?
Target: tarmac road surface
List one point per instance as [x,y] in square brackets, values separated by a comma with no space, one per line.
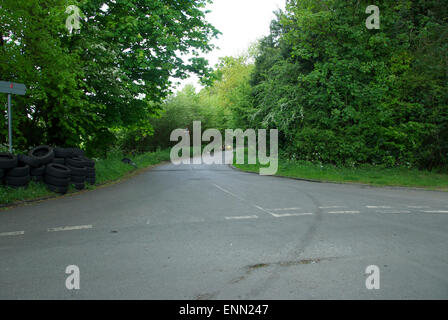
[212,232]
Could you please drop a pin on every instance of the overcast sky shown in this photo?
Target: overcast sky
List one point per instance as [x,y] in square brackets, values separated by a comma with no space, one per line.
[241,22]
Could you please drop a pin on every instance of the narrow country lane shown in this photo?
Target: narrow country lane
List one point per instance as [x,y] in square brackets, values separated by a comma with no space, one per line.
[212,232]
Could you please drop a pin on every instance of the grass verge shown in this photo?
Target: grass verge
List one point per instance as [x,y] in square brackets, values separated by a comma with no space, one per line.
[368,174]
[107,170]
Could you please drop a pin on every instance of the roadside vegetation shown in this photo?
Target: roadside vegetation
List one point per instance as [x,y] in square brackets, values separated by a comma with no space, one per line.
[108,170]
[364,174]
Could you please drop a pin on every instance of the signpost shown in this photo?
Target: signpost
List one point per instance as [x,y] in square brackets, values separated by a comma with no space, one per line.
[11,88]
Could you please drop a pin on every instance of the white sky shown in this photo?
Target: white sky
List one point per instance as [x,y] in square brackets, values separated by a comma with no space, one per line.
[241,22]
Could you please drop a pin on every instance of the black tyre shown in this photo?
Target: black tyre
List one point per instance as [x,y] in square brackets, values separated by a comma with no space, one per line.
[89,162]
[79,186]
[19,171]
[78,171]
[57,189]
[77,179]
[61,182]
[44,154]
[7,160]
[76,152]
[76,162]
[57,170]
[33,162]
[2,173]
[62,153]
[17,181]
[90,170]
[59,161]
[37,171]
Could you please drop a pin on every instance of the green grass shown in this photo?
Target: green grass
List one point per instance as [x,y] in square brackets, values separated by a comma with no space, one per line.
[367,174]
[107,170]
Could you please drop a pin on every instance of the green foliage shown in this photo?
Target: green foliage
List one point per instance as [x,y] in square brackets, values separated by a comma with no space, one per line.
[110,75]
[340,93]
[366,174]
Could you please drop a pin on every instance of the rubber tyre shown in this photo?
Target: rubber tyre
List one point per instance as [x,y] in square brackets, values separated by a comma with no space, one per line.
[2,173]
[75,152]
[44,154]
[19,171]
[33,162]
[37,171]
[17,181]
[62,153]
[89,162]
[60,182]
[7,160]
[76,162]
[59,161]
[57,189]
[90,170]
[78,171]
[57,170]
[77,179]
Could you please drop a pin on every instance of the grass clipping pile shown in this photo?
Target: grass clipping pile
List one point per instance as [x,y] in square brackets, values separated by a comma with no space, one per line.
[56,167]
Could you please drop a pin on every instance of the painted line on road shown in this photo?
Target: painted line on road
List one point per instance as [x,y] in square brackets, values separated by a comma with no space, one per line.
[378,207]
[418,207]
[148,221]
[228,192]
[393,211]
[14,233]
[436,211]
[344,212]
[332,207]
[291,215]
[242,218]
[58,229]
[284,209]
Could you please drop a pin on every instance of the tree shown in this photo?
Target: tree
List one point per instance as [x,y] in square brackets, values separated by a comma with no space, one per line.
[341,93]
[111,74]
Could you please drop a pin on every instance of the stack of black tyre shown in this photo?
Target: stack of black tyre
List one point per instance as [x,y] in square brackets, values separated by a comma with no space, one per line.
[82,168]
[58,168]
[13,173]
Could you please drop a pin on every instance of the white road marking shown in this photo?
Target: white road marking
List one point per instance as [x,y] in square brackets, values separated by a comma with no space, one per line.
[393,211]
[148,221]
[418,207]
[344,212]
[379,207]
[282,215]
[228,192]
[284,209]
[242,218]
[14,233]
[291,215]
[69,228]
[331,207]
[436,211]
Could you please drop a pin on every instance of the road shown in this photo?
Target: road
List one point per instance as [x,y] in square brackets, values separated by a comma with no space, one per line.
[212,232]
